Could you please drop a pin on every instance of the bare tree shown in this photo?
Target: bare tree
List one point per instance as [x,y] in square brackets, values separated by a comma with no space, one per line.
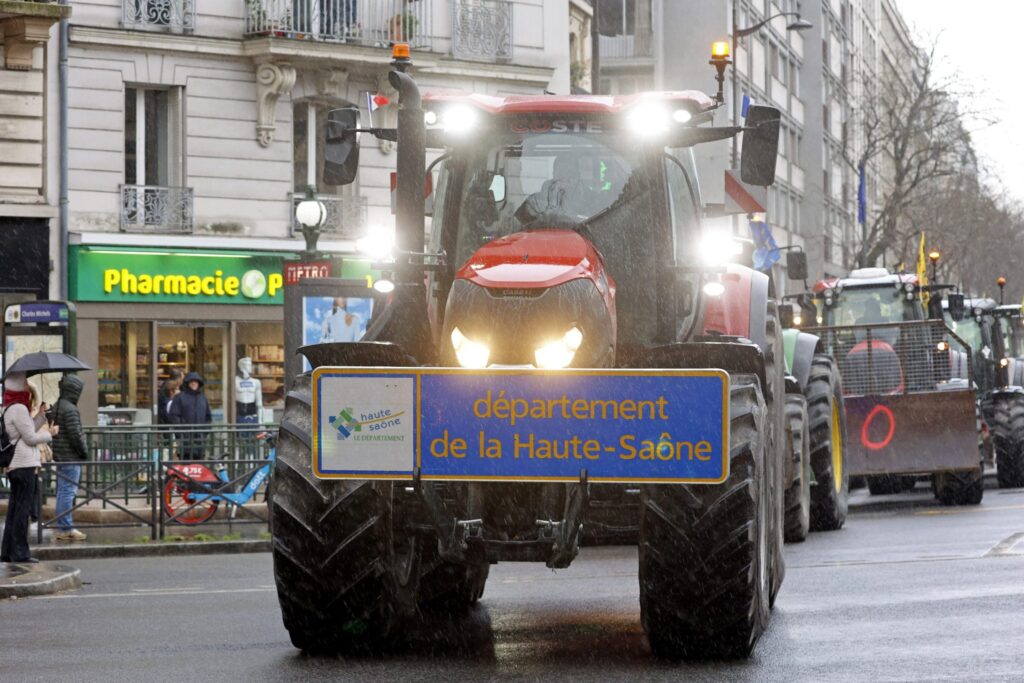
[914,135]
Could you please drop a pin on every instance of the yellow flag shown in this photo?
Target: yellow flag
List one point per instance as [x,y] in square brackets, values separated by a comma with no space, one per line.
[922,270]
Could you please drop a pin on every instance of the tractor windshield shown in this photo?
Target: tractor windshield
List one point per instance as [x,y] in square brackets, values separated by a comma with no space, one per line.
[872,306]
[968,329]
[589,182]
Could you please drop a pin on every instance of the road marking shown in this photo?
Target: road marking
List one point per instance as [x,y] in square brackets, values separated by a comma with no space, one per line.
[149,594]
[968,510]
[1005,546]
[169,588]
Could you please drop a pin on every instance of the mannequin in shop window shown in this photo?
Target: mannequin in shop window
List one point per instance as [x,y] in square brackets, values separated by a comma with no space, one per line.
[248,394]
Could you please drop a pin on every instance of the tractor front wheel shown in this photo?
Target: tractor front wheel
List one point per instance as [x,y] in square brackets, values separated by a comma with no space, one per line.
[1007,427]
[798,492]
[826,423]
[704,550]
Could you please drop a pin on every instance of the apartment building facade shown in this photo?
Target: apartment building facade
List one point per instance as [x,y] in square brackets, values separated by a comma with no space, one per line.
[194,130]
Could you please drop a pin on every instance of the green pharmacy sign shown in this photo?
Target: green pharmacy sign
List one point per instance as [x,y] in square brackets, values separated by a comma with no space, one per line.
[181,276]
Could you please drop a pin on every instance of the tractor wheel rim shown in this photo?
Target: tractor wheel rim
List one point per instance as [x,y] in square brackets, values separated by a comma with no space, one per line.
[837,449]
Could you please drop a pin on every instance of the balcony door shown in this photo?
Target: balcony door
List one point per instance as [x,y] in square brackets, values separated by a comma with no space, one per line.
[152,194]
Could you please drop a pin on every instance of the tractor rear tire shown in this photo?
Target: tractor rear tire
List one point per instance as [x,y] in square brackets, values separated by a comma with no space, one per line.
[704,550]
[330,545]
[826,424]
[1007,427]
[798,493]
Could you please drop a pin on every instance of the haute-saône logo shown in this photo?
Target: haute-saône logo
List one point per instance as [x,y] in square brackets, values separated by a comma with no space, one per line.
[375,425]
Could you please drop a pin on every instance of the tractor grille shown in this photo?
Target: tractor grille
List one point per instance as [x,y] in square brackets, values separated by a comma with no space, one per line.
[898,358]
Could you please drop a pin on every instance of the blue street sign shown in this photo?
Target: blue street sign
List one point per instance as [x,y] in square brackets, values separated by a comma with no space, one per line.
[662,426]
[37,312]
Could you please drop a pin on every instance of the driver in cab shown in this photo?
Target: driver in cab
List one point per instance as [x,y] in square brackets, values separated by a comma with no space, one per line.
[567,194]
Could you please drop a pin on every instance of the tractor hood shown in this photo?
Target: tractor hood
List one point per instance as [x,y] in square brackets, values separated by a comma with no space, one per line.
[535,260]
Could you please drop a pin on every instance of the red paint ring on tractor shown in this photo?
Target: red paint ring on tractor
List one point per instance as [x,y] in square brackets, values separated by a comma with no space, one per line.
[866,439]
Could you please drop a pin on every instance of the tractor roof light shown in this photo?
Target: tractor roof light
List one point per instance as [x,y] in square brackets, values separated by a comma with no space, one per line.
[384,285]
[460,119]
[720,50]
[469,353]
[681,116]
[934,256]
[649,119]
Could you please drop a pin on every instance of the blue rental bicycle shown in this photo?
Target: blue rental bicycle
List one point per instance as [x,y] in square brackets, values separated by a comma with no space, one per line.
[191,494]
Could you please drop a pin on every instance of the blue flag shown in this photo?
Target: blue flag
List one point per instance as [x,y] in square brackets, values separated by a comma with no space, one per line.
[766,251]
[862,195]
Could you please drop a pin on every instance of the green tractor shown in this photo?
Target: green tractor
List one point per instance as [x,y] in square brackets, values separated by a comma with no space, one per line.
[993,333]
[910,405]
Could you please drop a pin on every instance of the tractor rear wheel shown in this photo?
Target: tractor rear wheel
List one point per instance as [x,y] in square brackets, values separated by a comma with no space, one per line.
[1007,425]
[826,424]
[778,451]
[704,550]
[798,493]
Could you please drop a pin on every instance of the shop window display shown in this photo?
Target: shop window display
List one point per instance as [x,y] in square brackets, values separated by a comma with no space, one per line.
[124,372]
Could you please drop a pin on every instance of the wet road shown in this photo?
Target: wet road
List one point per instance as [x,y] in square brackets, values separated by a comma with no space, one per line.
[907,591]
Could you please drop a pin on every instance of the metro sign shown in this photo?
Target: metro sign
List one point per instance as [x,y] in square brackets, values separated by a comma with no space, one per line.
[295,270]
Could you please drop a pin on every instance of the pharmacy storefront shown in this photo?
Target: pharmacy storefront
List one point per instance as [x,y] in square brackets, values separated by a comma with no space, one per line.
[144,312]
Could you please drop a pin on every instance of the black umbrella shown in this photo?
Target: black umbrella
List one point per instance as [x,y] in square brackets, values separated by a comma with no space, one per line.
[40,362]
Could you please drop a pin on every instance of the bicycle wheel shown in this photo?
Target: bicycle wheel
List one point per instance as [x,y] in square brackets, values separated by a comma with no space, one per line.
[177,498]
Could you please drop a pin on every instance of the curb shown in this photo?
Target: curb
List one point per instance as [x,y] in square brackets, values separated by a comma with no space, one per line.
[153,549]
[41,579]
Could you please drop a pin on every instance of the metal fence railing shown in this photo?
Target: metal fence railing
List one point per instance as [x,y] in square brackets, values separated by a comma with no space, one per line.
[130,477]
[364,22]
[897,358]
[176,16]
[153,208]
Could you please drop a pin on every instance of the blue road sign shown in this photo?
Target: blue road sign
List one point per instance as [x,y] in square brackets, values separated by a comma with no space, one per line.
[663,426]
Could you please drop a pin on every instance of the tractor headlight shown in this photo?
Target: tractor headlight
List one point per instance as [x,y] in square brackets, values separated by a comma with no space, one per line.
[378,244]
[469,353]
[559,353]
[798,320]
[718,247]
[1004,362]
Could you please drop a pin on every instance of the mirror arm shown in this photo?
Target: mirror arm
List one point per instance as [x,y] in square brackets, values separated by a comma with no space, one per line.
[379,133]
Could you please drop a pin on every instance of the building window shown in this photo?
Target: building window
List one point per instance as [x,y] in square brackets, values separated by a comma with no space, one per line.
[152,136]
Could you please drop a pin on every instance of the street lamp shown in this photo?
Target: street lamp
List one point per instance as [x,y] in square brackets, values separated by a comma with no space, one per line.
[311,215]
[738,34]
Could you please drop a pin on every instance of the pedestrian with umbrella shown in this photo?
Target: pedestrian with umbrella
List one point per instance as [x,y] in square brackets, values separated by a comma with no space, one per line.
[21,430]
[69,447]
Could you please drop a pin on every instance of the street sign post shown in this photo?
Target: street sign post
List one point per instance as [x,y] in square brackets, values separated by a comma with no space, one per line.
[665,426]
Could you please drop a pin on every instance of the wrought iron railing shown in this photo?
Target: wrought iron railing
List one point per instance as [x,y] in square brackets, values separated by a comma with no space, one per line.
[898,358]
[346,216]
[176,16]
[482,30]
[149,208]
[363,22]
[630,46]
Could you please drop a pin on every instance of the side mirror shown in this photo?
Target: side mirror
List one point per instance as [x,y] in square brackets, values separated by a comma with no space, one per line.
[957,310]
[796,265]
[786,315]
[760,146]
[341,147]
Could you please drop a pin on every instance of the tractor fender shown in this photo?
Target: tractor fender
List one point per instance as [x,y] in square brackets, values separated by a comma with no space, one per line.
[735,357]
[1007,391]
[800,349]
[742,310]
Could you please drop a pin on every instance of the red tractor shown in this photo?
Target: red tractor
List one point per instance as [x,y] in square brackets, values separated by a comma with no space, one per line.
[563,251]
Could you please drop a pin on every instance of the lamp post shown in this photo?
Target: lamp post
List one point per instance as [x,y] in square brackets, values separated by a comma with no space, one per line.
[311,215]
[934,257]
[797,24]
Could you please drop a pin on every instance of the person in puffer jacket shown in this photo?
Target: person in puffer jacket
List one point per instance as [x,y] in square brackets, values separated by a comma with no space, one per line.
[190,407]
[69,452]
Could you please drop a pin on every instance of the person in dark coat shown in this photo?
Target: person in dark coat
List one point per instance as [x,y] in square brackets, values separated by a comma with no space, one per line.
[190,407]
[168,389]
[69,451]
